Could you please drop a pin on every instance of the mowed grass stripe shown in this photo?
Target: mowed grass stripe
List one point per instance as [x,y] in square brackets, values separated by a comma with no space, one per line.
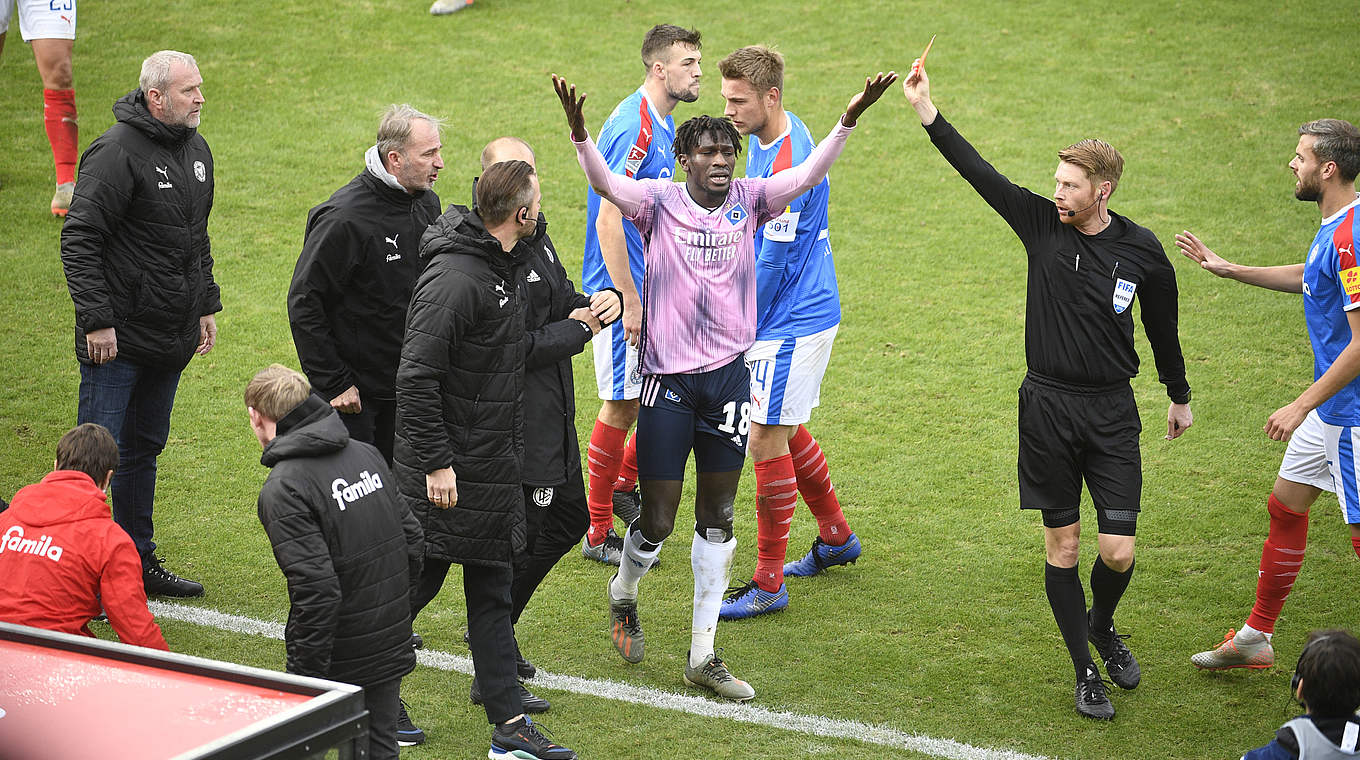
[815,725]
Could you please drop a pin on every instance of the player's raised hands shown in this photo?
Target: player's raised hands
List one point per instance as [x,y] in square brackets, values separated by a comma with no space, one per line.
[573,106]
[1199,253]
[873,90]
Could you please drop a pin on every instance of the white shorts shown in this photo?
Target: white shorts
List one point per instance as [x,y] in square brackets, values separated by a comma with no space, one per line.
[1323,456]
[617,375]
[41,19]
[786,377]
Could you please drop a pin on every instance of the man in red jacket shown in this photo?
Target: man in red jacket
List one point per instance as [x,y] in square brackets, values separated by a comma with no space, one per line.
[62,555]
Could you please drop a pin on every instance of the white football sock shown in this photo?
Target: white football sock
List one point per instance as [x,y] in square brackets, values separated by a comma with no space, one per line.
[634,565]
[711,562]
[1250,635]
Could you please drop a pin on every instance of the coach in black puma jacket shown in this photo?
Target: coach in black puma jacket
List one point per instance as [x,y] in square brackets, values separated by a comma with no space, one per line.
[360,258]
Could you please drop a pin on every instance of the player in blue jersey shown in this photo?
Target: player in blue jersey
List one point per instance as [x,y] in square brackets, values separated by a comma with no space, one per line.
[1322,425]
[636,141]
[798,311]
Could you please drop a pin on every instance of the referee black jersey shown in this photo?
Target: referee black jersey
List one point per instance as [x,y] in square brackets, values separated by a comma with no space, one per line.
[1078,310]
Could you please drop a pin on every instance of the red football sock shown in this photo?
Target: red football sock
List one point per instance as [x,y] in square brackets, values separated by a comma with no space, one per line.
[776,496]
[814,483]
[59,117]
[1281,558]
[628,472]
[603,458]
[1355,544]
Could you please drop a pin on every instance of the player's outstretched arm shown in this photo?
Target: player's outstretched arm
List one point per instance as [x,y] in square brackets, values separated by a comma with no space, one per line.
[874,87]
[624,192]
[787,185]
[1286,279]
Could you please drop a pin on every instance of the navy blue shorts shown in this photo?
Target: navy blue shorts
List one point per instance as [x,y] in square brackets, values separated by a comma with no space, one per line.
[706,412]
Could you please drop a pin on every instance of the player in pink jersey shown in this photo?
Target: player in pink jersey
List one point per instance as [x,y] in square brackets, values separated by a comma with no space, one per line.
[699,317]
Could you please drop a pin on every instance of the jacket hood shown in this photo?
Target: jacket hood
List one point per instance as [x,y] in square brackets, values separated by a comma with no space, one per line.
[63,496]
[131,109]
[460,230]
[312,429]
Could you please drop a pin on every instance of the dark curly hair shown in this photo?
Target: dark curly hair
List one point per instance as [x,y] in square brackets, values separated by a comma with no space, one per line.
[687,135]
[1330,668]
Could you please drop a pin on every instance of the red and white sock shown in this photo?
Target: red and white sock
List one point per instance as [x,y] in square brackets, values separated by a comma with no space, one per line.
[627,479]
[814,483]
[59,118]
[776,497]
[1281,558]
[604,455]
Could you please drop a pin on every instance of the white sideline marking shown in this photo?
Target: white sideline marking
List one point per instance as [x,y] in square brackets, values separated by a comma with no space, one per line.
[744,713]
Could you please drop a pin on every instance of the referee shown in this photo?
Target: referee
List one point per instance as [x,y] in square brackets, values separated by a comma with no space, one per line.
[1077,414]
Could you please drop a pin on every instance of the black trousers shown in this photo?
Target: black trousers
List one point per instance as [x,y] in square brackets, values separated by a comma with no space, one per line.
[557,520]
[376,423]
[381,700]
[486,591]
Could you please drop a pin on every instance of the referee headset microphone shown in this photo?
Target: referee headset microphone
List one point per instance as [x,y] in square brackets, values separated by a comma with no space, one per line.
[1070,213]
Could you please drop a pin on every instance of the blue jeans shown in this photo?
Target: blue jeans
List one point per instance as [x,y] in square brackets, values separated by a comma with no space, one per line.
[133,401]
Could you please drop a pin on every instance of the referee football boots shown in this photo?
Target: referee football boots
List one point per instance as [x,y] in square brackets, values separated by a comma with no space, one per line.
[1092,699]
[749,600]
[823,555]
[1119,661]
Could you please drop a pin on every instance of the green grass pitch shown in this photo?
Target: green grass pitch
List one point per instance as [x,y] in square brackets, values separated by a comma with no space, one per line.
[942,628]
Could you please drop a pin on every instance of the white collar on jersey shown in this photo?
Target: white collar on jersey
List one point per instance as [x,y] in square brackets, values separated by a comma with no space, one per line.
[788,127]
[1344,209]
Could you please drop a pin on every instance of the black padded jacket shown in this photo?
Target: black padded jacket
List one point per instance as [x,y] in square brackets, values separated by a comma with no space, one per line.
[460,391]
[135,242]
[348,547]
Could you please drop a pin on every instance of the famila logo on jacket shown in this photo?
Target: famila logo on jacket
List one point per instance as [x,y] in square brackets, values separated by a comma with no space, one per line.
[14,541]
[345,492]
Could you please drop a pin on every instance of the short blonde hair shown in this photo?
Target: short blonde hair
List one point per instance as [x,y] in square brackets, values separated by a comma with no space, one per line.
[762,67]
[276,390]
[1099,159]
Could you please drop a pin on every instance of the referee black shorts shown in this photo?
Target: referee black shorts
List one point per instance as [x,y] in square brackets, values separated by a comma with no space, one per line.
[1069,434]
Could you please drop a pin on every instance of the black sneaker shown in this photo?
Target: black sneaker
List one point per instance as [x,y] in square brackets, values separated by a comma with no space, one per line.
[530,703]
[522,739]
[1092,701]
[628,505]
[161,582]
[1119,662]
[407,733]
[417,642]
